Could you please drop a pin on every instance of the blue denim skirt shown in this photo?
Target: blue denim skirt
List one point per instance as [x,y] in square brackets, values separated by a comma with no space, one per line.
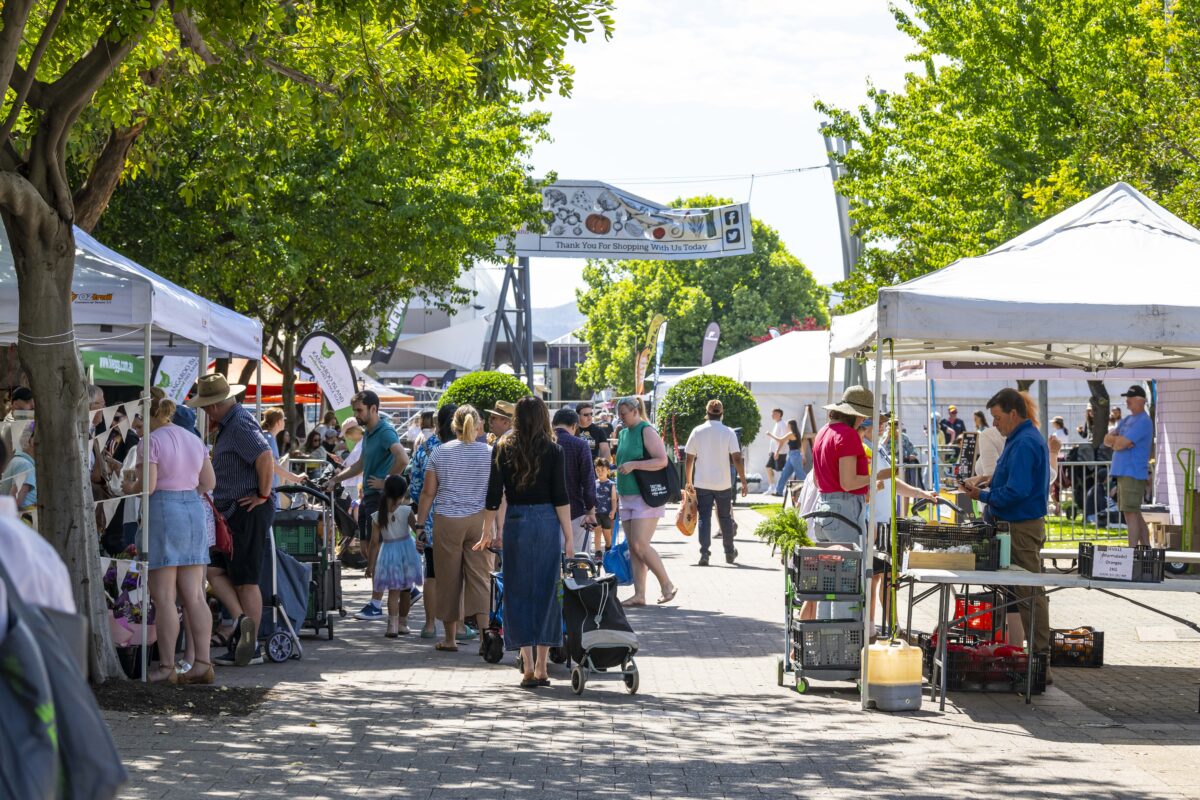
[177,534]
[532,577]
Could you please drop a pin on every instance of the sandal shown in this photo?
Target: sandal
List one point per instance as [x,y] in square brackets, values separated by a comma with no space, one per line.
[666,598]
[629,603]
[446,648]
[530,683]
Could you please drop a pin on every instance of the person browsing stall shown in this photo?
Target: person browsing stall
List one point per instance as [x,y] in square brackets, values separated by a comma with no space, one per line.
[1018,493]
[1131,442]
[245,471]
[382,455]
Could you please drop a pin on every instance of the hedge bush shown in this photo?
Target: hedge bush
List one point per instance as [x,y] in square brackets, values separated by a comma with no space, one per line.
[482,390]
[685,401]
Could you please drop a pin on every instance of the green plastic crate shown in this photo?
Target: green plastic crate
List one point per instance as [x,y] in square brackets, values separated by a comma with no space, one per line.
[298,534]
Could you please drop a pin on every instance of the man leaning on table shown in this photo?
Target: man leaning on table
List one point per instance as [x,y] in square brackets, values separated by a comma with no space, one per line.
[1130,441]
[1017,493]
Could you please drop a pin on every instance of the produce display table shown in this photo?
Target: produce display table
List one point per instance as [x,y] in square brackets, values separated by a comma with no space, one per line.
[943,581]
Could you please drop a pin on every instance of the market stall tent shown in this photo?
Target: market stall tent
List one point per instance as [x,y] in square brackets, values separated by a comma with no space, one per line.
[788,372]
[1108,283]
[114,299]
[242,370]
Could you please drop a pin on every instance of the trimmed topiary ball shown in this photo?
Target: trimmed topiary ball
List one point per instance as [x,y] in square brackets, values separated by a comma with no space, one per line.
[685,401]
[482,390]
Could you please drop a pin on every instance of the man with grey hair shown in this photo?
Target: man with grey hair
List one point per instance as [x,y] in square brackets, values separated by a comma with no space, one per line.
[245,470]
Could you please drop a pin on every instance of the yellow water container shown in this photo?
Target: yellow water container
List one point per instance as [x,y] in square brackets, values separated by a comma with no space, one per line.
[894,676]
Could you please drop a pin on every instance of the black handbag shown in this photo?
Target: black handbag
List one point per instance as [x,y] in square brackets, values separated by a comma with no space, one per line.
[659,486]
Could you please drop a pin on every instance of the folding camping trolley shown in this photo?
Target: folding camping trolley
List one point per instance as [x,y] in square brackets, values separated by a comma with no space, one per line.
[305,531]
[828,648]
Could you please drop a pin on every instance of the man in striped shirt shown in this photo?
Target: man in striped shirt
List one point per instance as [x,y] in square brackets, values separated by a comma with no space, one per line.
[243,495]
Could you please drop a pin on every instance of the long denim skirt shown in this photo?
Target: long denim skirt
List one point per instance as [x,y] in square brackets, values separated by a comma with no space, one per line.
[532,575]
[177,532]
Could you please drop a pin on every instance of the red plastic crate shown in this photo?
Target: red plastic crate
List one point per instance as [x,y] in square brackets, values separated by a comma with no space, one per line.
[987,624]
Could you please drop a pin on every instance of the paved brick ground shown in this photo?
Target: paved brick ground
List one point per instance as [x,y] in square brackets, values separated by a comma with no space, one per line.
[364,716]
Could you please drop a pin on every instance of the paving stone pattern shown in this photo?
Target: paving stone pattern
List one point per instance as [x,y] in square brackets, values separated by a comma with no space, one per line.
[364,716]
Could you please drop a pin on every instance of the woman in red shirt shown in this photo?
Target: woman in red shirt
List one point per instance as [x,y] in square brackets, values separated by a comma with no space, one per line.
[842,471]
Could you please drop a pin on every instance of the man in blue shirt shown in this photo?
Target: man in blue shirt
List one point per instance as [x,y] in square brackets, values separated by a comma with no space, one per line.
[1017,493]
[1131,462]
[382,455]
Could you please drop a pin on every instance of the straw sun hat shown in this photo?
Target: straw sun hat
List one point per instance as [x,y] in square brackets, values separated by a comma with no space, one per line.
[212,389]
[856,400]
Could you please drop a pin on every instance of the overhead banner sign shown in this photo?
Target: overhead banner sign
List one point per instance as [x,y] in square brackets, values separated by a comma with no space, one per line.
[590,219]
[176,375]
[114,367]
[323,355]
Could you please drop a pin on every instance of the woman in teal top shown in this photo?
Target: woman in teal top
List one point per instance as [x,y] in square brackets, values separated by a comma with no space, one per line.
[640,447]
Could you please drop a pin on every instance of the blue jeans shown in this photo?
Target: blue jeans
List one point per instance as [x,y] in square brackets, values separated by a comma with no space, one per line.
[705,498]
[793,467]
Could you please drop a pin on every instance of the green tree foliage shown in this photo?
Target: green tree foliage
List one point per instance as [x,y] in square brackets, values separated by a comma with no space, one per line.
[82,82]
[482,389]
[332,238]
[684,406]
[745,294]
[1021,108]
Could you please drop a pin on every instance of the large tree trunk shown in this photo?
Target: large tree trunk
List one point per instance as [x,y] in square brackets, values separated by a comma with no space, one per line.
[287,365]
[44,252]
[1100,411]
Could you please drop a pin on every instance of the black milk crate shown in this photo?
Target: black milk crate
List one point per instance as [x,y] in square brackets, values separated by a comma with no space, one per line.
[826,571]
[1079,647]
[828,644]
[968,671]
[980,538]
[298,533]
[1147,563]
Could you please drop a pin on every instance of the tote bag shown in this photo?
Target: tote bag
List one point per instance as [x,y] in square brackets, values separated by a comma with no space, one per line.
[660,486]
[616,560]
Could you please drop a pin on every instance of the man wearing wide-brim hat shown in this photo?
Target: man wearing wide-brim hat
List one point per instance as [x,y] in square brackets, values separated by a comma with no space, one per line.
[244,468]
[500,417]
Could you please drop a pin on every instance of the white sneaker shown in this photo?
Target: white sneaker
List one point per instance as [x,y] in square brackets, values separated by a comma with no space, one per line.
[403,628]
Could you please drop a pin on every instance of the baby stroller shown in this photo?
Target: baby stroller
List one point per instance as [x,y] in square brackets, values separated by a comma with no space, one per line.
[598,636]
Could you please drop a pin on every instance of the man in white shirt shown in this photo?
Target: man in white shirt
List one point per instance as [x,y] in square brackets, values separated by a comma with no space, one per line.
[709,448]
[777,452]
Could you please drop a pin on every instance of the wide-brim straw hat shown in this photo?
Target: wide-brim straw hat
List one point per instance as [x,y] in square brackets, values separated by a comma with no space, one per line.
[212,389]
[503,408]
[857,401]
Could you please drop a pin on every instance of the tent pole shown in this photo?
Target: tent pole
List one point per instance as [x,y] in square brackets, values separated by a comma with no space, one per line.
[258,390]
[201,417]
[929,426]
[143,547]
[829,388]
[872,518]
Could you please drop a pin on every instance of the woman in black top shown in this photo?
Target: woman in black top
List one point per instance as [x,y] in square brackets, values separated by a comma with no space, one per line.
[528,471]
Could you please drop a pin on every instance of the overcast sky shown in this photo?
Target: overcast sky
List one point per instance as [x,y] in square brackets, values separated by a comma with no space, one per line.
[700,88]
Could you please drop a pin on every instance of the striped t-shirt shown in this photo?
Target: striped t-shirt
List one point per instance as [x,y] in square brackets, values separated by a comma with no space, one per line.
[462,469]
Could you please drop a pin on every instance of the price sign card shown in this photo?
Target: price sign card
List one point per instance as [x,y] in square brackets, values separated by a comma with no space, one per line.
[1113,563]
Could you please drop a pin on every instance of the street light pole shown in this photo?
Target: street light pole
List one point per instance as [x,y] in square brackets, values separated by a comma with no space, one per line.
[836,149]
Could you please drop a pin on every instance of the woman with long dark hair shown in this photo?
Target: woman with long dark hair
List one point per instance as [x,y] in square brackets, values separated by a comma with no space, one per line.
[794,466]
[529,472]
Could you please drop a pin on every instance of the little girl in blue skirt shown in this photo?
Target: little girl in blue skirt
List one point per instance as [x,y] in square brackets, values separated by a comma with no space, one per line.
[396,566]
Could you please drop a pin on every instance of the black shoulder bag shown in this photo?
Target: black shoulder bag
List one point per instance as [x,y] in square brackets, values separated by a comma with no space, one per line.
[659,486]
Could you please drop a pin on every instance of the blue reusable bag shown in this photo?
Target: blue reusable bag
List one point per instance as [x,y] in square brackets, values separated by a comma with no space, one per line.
[616,560]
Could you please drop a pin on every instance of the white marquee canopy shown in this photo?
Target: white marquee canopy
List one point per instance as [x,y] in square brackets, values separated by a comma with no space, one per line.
[114,299]
[1111,282]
